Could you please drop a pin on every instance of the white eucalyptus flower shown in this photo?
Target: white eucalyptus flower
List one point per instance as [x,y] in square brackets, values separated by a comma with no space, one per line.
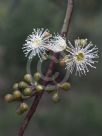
[36,43]
[57,44]
[81,57]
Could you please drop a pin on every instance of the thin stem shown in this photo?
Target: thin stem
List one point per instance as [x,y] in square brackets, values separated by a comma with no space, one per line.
[28,97]
[29,115]
[67,19]
[51,68]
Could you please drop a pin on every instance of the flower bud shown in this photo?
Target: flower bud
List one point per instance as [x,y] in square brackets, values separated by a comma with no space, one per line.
[37,76]
[62,62]
[56,98]
[9,98]
[65,86]
[27,92]
[28,78]
[22,108]
[47,35]
[39,88]
[17,95]
[83,42]
[22,85]
[15,86]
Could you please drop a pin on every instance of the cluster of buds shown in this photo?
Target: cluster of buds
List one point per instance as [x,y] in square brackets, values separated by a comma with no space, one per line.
[23,91]
[28,88]
[56,90]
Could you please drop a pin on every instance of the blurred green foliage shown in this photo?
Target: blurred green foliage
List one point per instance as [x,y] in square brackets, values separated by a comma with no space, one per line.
[80,113]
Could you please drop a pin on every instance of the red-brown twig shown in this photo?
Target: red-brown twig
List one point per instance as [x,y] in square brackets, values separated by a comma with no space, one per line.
[67,19]
[51,67]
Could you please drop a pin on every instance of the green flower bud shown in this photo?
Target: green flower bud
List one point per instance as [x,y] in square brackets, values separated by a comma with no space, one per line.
[37,76]
[83,42]
[22,85]
[9,98]
[15,86]
[22,108]
[65,86]
[39,88]
[56,98]
[28,78]
[17,95]
[27,92]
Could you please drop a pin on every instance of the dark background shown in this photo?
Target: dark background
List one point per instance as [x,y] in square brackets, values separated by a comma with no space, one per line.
[80,111]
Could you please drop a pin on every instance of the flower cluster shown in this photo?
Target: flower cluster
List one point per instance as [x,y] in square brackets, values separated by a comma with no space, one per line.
[78,57]
[29,87]
[41,41]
